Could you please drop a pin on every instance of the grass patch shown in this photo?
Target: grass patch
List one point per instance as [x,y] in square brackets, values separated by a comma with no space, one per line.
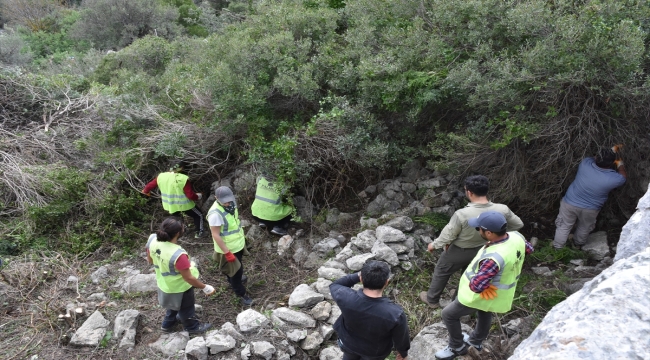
[437,220]
[547,254]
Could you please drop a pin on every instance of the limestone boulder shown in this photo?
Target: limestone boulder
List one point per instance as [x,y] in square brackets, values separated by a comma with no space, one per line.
[402,223]
[250,320]
[355,263]
[125,327]
[171,345]
[304,296]
[91,332]
[140,283]
[294,317]
[388,234]
[596,245]
[385,253]
[613,300]
[634,236]
[431,339]
[196,349]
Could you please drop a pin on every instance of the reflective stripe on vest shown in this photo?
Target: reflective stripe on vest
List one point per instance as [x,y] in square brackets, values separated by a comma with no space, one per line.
[509,257]
[268,204]
[164,255]
[231,231]
[172,195]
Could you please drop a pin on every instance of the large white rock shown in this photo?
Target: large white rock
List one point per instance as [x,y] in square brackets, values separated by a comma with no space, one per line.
[608,318]
[250,320]
[294,317]
[402,223]
[330,273]
[431,339]
[388,234]
[384,252]
[304,296]
[125,327]
[196,349]
[355,263]
[634,237]
[334,314]
[364,240]
[171,344]
[91,332]
[331,353]
[140,283]
[263,348]
[596,245]
[322,286]
[312,341]
[218,342]
[322,310]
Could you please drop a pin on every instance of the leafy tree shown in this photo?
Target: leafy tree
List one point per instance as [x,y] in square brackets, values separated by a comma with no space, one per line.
[34,14]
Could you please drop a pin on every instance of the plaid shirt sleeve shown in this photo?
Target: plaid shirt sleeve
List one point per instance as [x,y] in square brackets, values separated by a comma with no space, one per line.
[487,270]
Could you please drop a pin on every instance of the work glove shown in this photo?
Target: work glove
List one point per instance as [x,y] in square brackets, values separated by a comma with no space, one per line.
[490,293]
[200,195]
[230,257]
[616,148]
[208,290]
[618,163]
[147,194]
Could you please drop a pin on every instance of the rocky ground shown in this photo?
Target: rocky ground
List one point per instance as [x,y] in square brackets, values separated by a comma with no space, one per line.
[111,301]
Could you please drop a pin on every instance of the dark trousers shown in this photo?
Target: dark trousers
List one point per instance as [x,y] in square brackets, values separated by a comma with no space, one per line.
[451,315]
[235,280]
[282,223]
[185,314]
[350,355]
[450,261]
[196,215]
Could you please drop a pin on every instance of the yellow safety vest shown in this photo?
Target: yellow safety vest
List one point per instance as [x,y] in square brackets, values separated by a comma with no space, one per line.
[267,204]
[231,231]
[173,197]
[509,257]
[164,255]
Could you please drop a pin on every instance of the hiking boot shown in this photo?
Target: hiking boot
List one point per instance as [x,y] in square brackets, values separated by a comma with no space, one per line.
[262,225]
[449,354]
[199,234]
[478,347]
[246,300]
[279,231]
[170,329]
[200,329]
[423,297]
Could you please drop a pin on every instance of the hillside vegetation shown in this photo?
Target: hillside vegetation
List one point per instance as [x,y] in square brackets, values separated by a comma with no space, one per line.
[98,95]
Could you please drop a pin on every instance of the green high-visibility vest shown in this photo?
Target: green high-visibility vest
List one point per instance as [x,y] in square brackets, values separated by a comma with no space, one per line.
[164,255]
[231,231]
[509,256]
[267,204]
[173,197]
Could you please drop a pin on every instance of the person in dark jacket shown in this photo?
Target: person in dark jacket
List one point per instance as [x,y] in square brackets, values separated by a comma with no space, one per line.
[370,325]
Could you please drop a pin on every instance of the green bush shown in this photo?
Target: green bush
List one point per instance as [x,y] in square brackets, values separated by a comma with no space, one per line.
[114,24]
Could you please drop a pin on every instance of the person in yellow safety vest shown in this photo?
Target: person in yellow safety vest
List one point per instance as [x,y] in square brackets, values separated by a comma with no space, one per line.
[229,241]
[268,208]
[487,285]
[177,195]
[176,277]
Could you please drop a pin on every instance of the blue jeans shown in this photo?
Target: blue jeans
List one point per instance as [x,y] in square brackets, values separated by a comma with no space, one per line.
[185,314]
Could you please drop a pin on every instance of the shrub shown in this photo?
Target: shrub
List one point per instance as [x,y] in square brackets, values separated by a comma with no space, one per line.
[114,24]
[36,15]
[14,50]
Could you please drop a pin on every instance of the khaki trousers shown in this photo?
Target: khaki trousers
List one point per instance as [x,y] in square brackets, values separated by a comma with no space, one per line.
[571,215]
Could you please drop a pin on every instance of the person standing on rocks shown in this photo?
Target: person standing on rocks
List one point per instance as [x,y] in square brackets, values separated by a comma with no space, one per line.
[459,240]
[176,277]
[268,208]
[229,241]
[488,284]
[586,195]
[177,195]
[370,325]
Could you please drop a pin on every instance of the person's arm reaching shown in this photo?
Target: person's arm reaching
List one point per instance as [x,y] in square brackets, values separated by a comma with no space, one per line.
[448,234]
[150,186]
[216,237]
[189,193]
[620,167]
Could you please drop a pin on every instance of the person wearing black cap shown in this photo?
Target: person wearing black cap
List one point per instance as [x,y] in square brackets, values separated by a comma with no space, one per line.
[487,285]
[229,240]
[581,204]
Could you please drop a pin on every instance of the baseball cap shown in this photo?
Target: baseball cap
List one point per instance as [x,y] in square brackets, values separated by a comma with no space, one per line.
[224,194]
[490,221]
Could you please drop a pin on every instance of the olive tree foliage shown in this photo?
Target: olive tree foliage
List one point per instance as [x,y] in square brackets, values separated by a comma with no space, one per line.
[114,24]
[33,14]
